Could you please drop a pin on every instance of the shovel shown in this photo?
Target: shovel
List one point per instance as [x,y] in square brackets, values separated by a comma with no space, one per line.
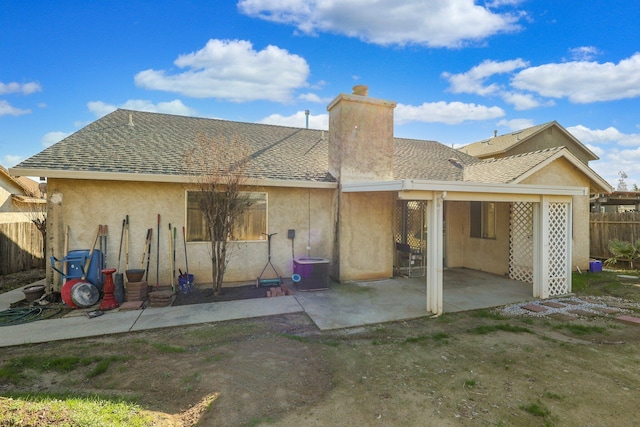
[118,278]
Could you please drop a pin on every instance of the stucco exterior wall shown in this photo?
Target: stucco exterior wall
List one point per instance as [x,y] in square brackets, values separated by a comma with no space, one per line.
[83,205]
[365,236]
[561,172]
[490,255]
[360,138]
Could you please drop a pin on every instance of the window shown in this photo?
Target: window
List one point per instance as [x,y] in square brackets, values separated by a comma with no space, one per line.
[248,226]
[483,220]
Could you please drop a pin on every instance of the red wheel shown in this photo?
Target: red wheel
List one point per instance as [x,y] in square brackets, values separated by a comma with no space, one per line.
[65,292]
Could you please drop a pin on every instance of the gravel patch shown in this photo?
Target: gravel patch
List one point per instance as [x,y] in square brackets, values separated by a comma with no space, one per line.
[591,305]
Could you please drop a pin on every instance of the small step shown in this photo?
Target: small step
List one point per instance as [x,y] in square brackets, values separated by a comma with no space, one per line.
[534,307]
[629,319]
[552,304]
[607,310]
[584,313]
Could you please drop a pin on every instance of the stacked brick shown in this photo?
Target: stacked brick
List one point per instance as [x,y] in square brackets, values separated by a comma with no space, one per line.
[279,291]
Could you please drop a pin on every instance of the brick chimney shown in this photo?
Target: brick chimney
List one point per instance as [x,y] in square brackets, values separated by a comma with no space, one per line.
[360,137]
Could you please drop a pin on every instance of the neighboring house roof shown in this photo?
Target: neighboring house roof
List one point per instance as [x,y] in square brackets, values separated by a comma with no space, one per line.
[26,186]
[501,144]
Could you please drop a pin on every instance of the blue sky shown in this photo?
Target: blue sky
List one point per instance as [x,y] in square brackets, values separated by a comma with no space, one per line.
[458,69]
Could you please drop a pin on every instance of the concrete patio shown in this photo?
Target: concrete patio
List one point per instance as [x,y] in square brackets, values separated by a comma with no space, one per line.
[354,304]
[344,305]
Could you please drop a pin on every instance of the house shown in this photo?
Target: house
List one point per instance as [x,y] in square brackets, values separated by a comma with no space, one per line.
[350,194]
[617,201]
[18,195]
[544,136]
[22,222]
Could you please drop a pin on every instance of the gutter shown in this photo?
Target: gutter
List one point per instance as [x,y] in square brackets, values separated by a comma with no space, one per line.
[161,178]
[465,187]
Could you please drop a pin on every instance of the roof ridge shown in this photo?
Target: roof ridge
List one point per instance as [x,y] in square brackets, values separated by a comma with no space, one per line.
[527,154]
[182,116]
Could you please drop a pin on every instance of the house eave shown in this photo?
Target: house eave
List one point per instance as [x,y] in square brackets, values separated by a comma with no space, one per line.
[464,187]
[595,179]
[161,178]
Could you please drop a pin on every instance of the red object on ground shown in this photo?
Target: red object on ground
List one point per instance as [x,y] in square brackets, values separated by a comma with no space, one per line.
[65,292]
[109,301]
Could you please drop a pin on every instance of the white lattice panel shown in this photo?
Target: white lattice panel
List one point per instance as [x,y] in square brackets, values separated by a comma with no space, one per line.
[521,242]
[558,248]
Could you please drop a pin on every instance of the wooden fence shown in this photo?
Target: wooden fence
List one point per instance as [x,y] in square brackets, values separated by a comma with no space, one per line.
[20,247]
[606,226]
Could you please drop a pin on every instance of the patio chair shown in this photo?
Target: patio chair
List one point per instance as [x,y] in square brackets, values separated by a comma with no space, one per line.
[410,262]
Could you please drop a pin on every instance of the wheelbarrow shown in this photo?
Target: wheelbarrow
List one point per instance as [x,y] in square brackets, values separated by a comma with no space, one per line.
[75,261]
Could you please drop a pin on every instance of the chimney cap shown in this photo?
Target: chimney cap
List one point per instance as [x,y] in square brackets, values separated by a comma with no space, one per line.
[361,90]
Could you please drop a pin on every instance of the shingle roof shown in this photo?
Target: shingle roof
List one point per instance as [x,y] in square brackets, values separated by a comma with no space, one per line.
[506,169]
[429,160]
[155,144]
[501,143]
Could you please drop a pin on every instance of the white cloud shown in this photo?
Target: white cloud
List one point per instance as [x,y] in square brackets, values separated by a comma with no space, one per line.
[312,97]
[499,3]
[595,149]
[516,124]
[524,101]
[614,161]
[232,70]
[9,160]
[7,110]
[584,53]
[583,82]
[176,106]
[51,138]
[449,23]
[23,88]
[604,136]
[473,81]
[445,112]
[299,120]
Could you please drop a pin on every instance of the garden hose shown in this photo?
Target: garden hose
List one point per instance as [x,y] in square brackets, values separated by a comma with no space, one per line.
[17,316]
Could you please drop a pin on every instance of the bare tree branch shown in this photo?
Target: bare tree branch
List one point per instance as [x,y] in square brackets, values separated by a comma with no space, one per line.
[217,167]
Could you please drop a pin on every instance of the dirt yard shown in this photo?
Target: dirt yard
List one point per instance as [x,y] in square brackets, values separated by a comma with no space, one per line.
[473,368]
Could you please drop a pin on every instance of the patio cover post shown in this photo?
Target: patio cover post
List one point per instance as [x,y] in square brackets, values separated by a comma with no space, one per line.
[434,276]
[552,265]
[538,252]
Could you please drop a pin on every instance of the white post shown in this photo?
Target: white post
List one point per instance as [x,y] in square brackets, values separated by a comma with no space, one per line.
[537,249]
[544,248]
[434,276]
[569,238]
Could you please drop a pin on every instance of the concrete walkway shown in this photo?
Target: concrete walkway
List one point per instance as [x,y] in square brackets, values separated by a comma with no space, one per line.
[342,306]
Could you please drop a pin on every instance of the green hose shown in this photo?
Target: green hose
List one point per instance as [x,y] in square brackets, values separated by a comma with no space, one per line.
[17,316]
